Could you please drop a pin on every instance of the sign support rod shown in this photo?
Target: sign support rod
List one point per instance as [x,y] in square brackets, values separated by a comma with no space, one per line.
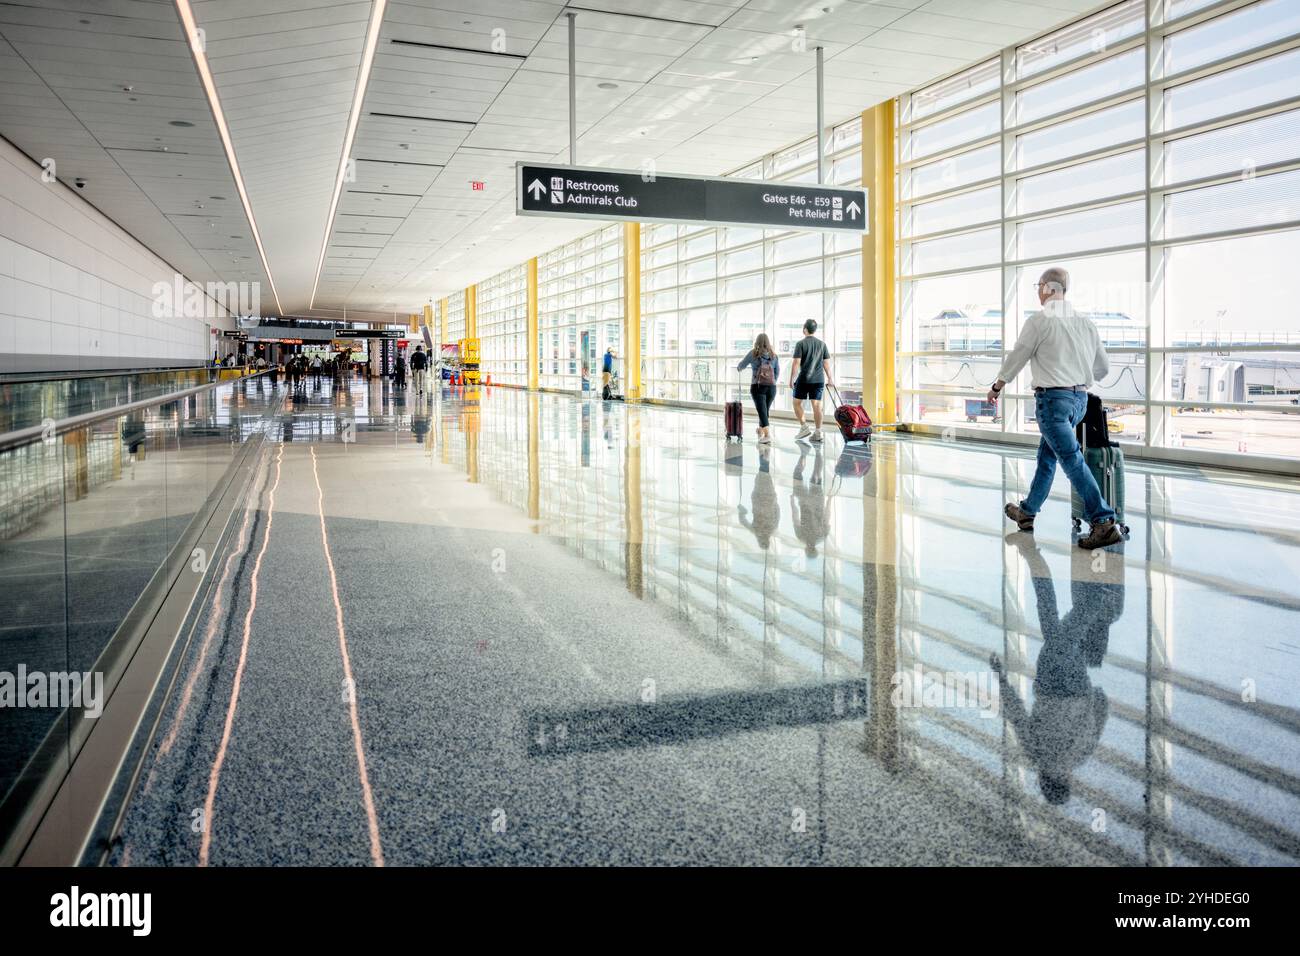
[821,118]
[573,89]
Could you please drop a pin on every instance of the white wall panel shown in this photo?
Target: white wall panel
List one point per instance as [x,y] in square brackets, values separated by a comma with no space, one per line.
[76,291]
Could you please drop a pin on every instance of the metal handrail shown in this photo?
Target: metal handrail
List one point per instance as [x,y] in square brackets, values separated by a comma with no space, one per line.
[28,378]
[34,433]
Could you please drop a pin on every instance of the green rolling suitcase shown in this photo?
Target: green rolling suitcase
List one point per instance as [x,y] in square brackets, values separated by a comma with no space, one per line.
[1105,461]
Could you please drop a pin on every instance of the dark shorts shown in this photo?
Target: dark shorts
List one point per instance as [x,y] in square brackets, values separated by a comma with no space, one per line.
[810,390]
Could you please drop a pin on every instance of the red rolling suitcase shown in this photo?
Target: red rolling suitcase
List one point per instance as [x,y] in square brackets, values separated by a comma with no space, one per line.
[734,417]
[854,422]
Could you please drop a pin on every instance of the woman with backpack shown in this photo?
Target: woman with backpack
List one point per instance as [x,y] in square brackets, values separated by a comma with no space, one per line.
[762,359]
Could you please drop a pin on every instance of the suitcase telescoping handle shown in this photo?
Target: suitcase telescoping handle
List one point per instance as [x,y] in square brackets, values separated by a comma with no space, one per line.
[835,394]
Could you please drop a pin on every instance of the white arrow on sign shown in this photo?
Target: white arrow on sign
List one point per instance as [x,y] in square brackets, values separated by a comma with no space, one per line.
[536,188]
[854,209]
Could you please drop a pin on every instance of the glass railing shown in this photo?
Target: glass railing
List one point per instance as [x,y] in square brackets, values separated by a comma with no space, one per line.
[27,400]
[91,506]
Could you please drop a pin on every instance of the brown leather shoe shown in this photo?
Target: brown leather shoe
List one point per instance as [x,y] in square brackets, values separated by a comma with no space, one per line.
[1101,534]
[1024,521]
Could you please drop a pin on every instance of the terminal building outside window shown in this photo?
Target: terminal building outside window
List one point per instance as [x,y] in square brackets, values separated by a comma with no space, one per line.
[1175,207]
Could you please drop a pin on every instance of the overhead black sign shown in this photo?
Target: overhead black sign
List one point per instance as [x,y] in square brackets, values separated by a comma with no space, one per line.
[368,333]
[582,192]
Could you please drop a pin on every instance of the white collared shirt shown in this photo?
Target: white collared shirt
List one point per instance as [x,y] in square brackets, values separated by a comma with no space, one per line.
[1062,347]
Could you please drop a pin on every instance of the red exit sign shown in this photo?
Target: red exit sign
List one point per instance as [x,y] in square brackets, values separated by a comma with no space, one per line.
[476,185]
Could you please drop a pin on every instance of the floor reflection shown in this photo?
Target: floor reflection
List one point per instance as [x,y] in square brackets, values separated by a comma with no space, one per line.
[1061,730]
[1158,750]
[1153,722]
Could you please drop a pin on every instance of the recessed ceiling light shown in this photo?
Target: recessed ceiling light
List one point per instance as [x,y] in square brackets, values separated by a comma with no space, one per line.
[180,123]
[216,197]
[607,86]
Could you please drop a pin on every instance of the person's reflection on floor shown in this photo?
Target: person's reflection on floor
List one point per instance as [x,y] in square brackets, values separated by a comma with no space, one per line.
[287,428]
[1069,713]
[808,502]
[420,422]
[767,510]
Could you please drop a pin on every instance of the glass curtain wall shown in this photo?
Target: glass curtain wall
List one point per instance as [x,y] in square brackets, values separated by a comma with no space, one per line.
[455,317]
[1153,150]
[707,292]
[579,308]
[502,326]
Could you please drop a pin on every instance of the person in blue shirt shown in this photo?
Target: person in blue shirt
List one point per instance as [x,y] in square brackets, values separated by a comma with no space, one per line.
[606,373]
[762,359]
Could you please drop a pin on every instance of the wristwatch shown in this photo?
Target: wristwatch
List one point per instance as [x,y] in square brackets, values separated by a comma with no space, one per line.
[995,387]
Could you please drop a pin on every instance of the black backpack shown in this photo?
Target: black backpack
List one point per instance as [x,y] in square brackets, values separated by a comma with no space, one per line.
[417,361]
[1094,432]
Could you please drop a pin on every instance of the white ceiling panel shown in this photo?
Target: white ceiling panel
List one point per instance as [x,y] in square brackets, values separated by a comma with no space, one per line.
[66,69]
[459,91]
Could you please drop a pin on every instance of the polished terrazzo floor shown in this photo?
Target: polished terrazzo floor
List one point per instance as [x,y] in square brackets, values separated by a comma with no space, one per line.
[489,627]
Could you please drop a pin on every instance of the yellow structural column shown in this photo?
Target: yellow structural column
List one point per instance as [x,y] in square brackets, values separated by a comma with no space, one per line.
[879,276]
[632,311]
[471,312]
[442,322]
[428,321]
[530,326]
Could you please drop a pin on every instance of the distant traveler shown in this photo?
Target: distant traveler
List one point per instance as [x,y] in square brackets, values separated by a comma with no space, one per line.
[316,364]
[1065,355]
[607,374]
[260,363]
[762,387]
[419,363]
[810,374]
[399,371]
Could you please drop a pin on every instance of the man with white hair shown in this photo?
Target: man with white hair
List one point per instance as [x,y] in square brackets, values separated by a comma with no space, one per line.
[1065,356]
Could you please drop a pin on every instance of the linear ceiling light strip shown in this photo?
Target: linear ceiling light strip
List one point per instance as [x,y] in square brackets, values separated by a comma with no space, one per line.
[363,79]
[210,88]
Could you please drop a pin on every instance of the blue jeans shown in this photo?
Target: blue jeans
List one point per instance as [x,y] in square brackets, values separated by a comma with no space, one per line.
[1058,412]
